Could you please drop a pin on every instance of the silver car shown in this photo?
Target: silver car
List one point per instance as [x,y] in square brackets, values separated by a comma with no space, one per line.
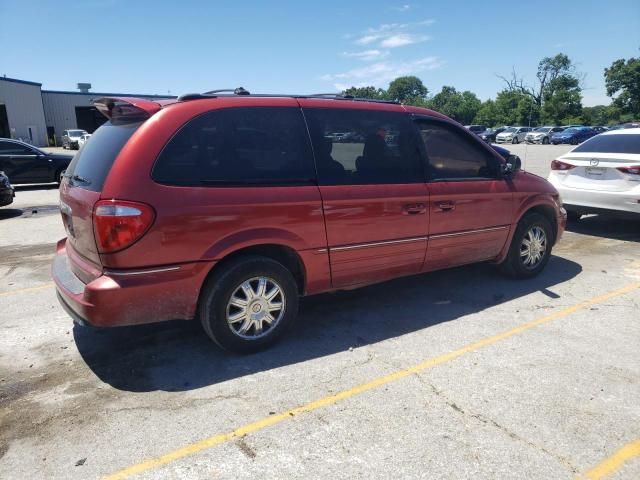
[513,135]
[71,138]
[542,135]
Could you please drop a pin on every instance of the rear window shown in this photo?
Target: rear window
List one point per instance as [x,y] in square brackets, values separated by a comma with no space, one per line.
[93,162]
[621,143]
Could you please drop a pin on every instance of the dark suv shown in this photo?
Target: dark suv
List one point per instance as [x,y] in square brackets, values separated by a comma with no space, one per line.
[227,208]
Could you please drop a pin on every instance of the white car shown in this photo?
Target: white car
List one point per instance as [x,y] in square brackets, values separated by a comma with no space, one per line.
[602,174]
[83,139]
[513,135]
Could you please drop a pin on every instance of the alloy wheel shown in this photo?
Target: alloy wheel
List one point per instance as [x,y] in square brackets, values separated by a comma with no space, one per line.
[533,247]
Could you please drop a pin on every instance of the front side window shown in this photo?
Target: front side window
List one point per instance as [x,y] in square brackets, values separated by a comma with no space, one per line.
[355,147]
[239,146]
[10,148]
[452,155]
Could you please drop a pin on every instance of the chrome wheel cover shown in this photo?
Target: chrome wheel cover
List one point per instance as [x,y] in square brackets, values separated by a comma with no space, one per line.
[255,308]
[533,247]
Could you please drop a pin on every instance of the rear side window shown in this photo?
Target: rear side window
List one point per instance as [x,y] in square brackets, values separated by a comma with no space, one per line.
[354,147]
[239,146]
[453,155]
[93,162]
[618,143]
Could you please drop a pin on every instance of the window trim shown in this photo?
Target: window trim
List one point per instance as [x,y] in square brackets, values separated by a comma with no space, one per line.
[492,154]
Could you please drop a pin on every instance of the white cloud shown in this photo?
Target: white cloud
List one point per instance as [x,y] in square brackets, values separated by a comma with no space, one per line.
[367,55]
[402,39]
[379,74]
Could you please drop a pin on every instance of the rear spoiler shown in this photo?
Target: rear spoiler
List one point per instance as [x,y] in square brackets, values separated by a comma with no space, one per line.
[126,108]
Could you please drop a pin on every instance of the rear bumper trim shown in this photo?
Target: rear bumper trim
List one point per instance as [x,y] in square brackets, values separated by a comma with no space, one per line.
[139,272]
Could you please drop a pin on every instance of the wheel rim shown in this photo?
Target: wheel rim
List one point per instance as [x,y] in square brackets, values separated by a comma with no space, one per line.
[533,247]
[255,308]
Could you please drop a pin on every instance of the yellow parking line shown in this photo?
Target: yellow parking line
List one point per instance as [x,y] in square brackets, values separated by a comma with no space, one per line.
[614,462]
[206,443]
[25,290]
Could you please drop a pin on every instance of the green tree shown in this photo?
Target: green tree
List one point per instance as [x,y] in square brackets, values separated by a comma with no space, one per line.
[516,108]
[407,89]
[461,106]
[366,92]
[562,100]
[600,115]
[622,80]
[487,114]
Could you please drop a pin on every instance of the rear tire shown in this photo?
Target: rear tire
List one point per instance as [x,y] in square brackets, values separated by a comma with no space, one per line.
[515,140]
[545,141]
[257,324]
[533,236]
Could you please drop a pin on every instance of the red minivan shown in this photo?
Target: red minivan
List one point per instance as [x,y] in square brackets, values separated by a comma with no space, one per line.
[228,207]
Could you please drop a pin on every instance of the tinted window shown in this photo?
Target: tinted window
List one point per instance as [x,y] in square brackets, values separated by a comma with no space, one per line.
[452,154]
[364,147]
[95,159]
[239,146]
[10,148]
[611,144]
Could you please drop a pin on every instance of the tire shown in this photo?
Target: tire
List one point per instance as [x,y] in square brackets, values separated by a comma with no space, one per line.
[215,305]
[58,176]
[515,140]
[574,141]
[64,147]
[573,216]
[545,141]
[514,265]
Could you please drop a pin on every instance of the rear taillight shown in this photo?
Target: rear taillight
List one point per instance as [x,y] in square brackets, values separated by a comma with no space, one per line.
[558,165]
[630,170]
[118,224]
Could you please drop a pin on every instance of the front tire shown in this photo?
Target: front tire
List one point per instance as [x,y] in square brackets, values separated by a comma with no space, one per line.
[515,140]
[545,141]
[249,304]
[59,176]
[530,247]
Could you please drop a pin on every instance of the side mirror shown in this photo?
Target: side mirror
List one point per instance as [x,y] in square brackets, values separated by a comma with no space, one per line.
[516,163]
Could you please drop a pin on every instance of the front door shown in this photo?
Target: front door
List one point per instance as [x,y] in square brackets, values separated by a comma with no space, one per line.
[22,164]
[470,203]
[373,192]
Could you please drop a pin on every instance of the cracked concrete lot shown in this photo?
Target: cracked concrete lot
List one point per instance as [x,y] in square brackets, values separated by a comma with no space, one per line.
[431,377]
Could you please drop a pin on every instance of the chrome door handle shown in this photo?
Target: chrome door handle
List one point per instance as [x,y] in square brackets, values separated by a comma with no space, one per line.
[414,208]
[446,206]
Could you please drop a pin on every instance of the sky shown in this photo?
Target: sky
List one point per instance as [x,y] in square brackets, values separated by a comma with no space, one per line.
[160,47]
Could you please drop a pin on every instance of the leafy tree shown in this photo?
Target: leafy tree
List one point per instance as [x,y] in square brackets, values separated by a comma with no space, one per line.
[461,106]
[562,100]
[366,92]
[622,80]
[487,114]
[409,89]
[516,108]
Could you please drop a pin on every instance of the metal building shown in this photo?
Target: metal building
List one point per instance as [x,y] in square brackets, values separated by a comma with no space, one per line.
[41,116]
[21,111]
[64,110]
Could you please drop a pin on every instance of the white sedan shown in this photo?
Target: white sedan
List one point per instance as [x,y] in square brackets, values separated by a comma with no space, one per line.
[83,139]
[600,175]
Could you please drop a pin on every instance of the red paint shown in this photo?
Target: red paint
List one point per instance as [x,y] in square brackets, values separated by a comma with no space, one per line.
[407,228]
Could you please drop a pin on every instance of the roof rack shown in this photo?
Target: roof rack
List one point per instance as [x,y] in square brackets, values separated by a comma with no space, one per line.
[243,92]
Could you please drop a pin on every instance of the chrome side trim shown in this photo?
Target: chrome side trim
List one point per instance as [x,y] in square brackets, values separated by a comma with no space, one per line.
[123,273]
[376,244]
[469,232]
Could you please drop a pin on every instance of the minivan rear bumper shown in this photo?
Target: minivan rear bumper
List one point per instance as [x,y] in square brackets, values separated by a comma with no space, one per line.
[129,297]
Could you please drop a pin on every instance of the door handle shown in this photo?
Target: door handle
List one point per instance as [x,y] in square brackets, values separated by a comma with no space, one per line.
[446,206]
[414,208]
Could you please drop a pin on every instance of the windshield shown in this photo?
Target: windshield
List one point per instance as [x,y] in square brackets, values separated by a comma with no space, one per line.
[76,133]
[542,129]
[510,130]
[572,130]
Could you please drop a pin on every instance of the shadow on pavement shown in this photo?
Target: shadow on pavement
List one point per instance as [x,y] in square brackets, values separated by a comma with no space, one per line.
[177,356]
[6,213]
[618,226]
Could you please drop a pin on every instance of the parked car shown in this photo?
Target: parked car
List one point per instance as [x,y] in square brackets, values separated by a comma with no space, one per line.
[573,135]
[24,163]
[489,135]
[542,134]
[513,135]
[476,128]
[83,139]
[600,175]
[71,138]
[600,129]
[169,218]
[7,192]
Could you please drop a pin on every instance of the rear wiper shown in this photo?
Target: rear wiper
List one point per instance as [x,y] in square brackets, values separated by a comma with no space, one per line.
[78,178]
